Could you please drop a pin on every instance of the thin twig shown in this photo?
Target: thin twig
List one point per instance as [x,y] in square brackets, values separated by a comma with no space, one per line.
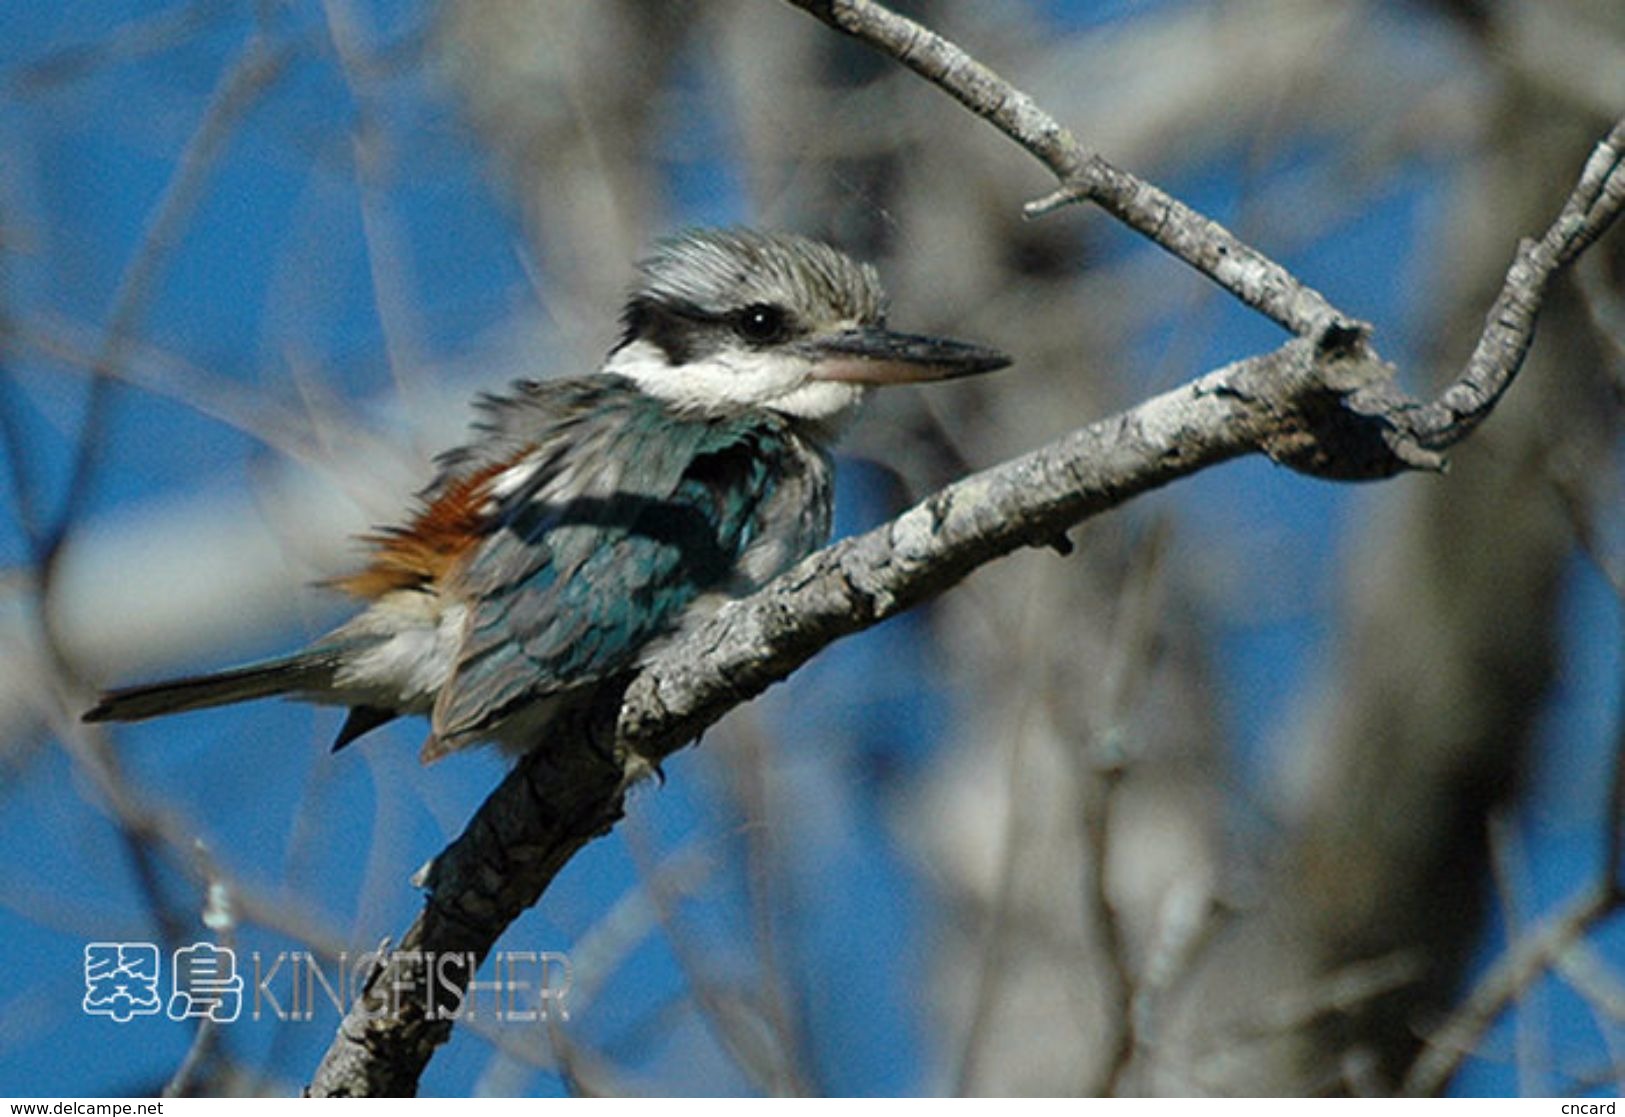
[1448,1047]
[993,949]
[770,1067]
[1530,957]
[1084,175]
[1103,764]
[241,84]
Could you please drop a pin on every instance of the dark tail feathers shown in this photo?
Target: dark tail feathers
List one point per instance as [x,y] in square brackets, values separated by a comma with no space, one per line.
[302,672]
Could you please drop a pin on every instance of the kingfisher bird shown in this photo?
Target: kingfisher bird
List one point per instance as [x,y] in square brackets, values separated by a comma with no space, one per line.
[587,521]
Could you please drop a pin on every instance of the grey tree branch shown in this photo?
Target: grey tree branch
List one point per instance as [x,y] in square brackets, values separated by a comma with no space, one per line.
[1510,325]
[1418,431]
[1323,404]
[1084,175]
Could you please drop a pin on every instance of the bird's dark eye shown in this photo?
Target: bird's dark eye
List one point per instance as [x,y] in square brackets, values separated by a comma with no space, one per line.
[762,324]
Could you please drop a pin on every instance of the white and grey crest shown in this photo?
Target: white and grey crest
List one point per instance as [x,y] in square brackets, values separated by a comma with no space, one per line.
[714,321]
[722,271]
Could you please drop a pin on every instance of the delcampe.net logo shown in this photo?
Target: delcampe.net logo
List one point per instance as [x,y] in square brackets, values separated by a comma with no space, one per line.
[126,980]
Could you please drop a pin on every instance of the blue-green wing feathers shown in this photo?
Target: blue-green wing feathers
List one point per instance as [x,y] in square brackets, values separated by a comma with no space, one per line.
[625,522]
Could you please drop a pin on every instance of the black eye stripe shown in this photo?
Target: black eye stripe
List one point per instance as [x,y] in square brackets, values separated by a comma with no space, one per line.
[685,332]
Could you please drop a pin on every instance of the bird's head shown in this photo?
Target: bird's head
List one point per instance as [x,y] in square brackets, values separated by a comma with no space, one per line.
[727,319]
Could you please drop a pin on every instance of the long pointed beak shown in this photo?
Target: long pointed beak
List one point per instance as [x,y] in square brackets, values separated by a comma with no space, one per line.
[871,355]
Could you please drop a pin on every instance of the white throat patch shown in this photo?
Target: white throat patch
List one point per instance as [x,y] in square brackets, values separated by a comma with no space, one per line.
[732,379]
